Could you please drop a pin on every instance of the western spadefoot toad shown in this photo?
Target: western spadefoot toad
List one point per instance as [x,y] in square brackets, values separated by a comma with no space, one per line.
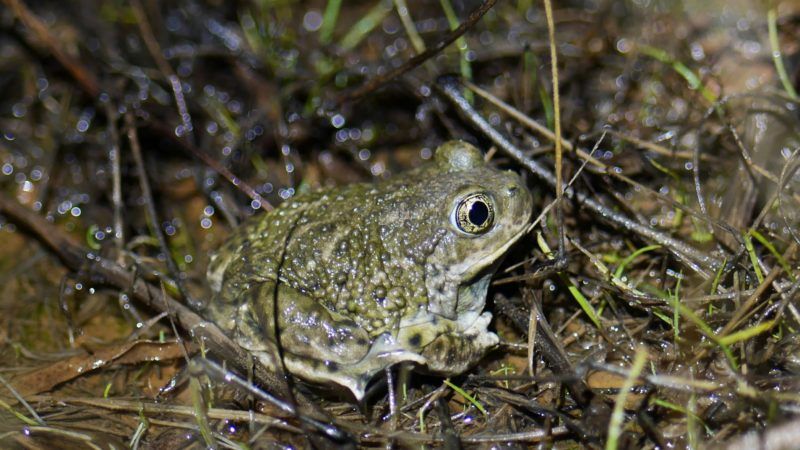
[367,275]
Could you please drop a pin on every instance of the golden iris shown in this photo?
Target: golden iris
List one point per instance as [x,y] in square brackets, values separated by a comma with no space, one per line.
[475,213]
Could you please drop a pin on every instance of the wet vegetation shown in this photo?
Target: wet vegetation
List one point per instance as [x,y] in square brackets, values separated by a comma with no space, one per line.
[655,306]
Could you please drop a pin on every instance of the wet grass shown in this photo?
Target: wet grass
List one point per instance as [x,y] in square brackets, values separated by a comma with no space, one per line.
[145,131]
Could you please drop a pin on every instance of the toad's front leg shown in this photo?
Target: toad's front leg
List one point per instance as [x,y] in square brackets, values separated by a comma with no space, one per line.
[321,345]
[446,345]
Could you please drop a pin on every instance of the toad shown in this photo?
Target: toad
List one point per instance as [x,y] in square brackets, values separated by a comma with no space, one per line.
[360,277]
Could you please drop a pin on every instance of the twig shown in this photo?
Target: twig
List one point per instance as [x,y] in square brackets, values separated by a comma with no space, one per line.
[166,70]
[214,165]
[549,346]
[380,80]
[83,77]
[115,160]
[152,408]
[697,260]
[76,258]
[604,168]
[22,401]
[152,215]
[559,156]
[659,149]
[104,271]
[743,311]
[91,87]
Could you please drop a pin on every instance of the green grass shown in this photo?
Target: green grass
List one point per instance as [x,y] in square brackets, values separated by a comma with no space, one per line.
[618,414]
[751,251]
[624,263]
[467,396]
[464,65]
[682,69]
[772,25]
[365,25]
[329,19]
[768,245]
[576,293]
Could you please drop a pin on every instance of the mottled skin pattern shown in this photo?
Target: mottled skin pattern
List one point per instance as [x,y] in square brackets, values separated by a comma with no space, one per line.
[369,275]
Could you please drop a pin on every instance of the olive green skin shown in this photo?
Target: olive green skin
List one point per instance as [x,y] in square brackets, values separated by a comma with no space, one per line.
[371,274]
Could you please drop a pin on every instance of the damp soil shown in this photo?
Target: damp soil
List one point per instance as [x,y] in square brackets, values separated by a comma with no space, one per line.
[686,112]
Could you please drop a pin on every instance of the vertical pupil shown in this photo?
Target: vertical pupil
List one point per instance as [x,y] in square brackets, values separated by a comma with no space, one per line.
[478,213]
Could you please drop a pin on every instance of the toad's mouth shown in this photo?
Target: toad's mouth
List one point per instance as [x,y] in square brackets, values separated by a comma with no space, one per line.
[471,270]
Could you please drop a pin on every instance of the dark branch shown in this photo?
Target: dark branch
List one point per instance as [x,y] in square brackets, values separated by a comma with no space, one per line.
[380,80]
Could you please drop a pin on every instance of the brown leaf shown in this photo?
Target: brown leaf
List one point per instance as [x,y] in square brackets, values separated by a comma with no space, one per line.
[50,376]
[607,380]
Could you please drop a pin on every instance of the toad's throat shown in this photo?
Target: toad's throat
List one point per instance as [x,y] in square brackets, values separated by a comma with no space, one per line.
[470,302]
[472,296]
[454,301]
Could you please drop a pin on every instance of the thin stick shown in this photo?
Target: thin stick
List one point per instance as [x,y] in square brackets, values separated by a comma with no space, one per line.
[743,311]
[115,159]
[152,408]
[380,80]
[606,170]
[551,35]
[88,83]
[214,165]
[83,77]
[147,193]
[163,66]
[699,261]
[104,271]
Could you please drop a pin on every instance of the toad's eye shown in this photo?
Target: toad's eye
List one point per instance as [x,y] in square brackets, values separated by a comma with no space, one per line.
[474,214]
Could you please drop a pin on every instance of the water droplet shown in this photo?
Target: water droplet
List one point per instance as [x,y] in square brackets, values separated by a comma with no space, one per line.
[697,51]
[624,46]
[312,20]
[377,169]
[64,206]
[286,193]
[82,126]
[19,110]
[337,121]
